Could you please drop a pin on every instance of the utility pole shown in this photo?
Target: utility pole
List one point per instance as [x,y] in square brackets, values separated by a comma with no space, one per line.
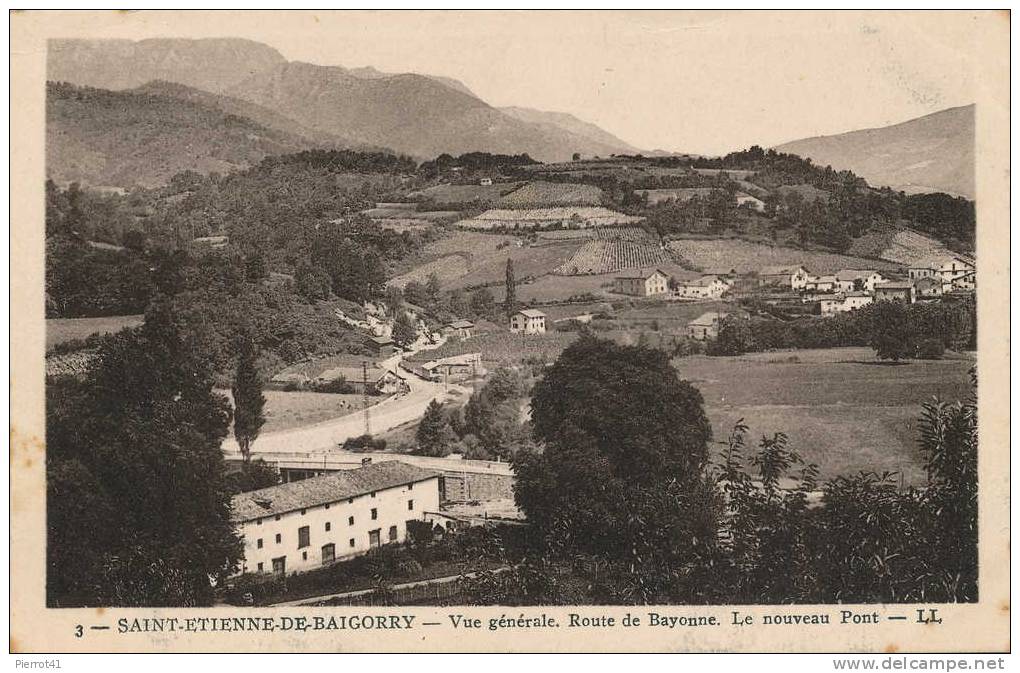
[364,396]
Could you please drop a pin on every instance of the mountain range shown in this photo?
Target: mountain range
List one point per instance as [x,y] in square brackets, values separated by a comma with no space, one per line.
[934,153]
[419,115]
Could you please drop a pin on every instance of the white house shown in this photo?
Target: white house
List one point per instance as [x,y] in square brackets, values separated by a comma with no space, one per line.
[856,280]
[821,284]
[793,277]
[642,282]
[705,326]
[528,321]
[841,304]
[751,201]
[948,269]
[902,291]
[706,287]
[313,522]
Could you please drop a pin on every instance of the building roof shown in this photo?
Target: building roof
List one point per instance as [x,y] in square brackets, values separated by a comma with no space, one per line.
[854,274]
[707,319]
[642,274]
[780,270]
[894,285]
[325,489]
[823,279]
[928,281]
[531,313]
[704,281]
[462,324]
[857,294]
[382,340]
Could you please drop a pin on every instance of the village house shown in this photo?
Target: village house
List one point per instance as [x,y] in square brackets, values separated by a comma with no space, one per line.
[793,277]
[751,201]
[377,379]
[928,288]
[642,283]
[454,368]
[382,345]
[857,280]
[310,523]
[705,326]
[948,269]
[902,291]
[528,321]
[961,282]
[706,287]
[841,304]
[821,284]
[459,328]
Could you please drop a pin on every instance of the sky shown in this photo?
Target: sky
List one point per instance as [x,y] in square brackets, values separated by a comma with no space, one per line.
[700,82]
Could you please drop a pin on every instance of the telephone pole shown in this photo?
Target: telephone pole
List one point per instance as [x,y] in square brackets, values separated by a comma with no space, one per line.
[364,396]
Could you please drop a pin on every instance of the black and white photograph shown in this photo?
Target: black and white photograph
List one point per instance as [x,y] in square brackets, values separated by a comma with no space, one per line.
[356,313]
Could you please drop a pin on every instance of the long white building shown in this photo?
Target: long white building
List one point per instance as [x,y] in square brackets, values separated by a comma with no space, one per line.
[310,523]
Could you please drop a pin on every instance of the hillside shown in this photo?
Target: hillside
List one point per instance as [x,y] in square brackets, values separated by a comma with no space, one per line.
[125,138]
[211,64]
[571,124]
[928,154]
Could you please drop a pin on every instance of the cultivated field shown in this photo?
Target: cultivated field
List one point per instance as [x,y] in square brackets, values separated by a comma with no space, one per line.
[745,256]
[285,410]
[468,195]
[903,246]
[572,217]
[604,233]
[841,408]
[606,256]
[551,194]
[59,330]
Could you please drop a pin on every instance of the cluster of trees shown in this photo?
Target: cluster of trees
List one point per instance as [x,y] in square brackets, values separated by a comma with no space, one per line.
[489,426]
[626,506]
[472,162]
[895,330]
[479,303]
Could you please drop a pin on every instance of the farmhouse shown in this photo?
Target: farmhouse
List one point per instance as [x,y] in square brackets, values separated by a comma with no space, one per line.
[947,269]
[454,368]
[856,280]
[793,277]
[821,284]
[706,287]
[706,326]
[928,288]
[750,201]
[459,328]
[377,379]
[313,522]
[642,283]
[850,302]
[962,282]
[902,291]
[528,321]
[382,345]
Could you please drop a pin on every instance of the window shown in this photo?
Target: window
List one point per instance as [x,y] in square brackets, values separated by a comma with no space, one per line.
[258,522]
[327,506]
[375,514]
[304,556]
[328,553]
[350,521]
[280,565]
[373,537]
[258,543]
[393,533]
[350,501]
[410,487]
[279,538]
[327,526]
[303,512]
[373,494]
[303,537]
[277,517]
[260,567]
[410,504]
[352,542]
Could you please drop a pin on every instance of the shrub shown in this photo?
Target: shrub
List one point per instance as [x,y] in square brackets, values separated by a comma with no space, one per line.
[930,349]
[364,444]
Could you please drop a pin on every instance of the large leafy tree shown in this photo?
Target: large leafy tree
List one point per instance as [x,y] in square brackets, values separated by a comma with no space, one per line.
[138,509]
[621,475]
[892,335]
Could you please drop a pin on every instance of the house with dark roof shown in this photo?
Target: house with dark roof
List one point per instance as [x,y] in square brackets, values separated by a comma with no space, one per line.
[793,277]
[307,524]
[642,282]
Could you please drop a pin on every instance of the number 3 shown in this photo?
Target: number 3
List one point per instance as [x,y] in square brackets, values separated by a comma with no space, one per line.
[79,631]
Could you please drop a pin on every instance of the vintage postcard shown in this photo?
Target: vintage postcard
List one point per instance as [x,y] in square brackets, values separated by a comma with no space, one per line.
[443,331]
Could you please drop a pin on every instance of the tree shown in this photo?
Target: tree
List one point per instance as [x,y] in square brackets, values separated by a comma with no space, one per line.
[892,335]
[621,474]
[249,402]
[141,436]
[483,304]
[435,437]
[394,300]
[510,303]
[312,282]
[404,330]
[735,337]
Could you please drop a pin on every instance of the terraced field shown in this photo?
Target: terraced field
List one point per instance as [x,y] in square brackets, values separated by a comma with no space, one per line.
[541,194]
[468,195]
[745,256]
[903,246]
[573,217]
[606,256]
[599,233]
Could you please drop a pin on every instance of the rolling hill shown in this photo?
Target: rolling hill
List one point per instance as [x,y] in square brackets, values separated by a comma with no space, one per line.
[126,138]
[571,124]
[934,153]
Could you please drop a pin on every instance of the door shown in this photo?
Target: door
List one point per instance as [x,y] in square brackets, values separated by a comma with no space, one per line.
[280,565]
[328,553]
[373,537]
